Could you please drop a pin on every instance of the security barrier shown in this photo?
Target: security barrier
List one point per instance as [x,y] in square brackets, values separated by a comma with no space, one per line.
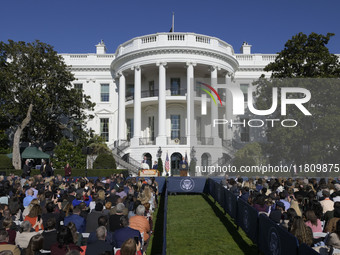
[270,238]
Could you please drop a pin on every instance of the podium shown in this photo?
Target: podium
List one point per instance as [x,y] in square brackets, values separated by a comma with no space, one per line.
[183,169]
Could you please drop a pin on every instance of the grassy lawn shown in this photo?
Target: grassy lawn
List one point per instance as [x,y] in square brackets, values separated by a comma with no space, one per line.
[198,226]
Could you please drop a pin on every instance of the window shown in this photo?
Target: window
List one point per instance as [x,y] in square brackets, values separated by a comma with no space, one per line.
[244,88]
[105,92]
[129,129]
[198,126]
[79,88]
[175,126]
[152,128]
[152,88]
[175,86]
[245,131]
[104,129]
[130,92]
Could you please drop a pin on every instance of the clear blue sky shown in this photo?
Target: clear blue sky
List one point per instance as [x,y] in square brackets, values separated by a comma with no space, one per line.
[75,26]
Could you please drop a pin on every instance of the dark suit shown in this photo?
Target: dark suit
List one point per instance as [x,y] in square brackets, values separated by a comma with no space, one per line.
[43,170]
[92,221]
[50,237]
[26,170]
[48,215]
[123,234]
[109,238]
[114,222]
[49,171]
[98,247]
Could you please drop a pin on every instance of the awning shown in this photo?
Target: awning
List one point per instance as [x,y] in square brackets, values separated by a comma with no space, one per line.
[32,152]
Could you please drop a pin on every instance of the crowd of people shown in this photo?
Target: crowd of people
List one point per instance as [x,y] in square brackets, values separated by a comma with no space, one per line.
[305,207]
[59,215]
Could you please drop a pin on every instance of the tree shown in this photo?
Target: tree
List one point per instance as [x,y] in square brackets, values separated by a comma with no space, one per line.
[316,138]
[67,152]
[104,161]
[160,166]
[249,155]
[36,95]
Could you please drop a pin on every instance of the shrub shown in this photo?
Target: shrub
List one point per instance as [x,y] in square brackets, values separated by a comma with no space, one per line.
[5,162]
[160,166]
[76,172]
[104,161]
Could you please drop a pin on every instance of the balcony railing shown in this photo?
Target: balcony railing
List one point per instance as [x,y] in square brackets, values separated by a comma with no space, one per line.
[205,141]
[175,40]
[155,93]
[149,93]
[178,92]
[147,141]
[179,140]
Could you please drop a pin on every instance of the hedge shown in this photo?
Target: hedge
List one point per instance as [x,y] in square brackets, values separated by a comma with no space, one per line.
[75,172]
[5,162]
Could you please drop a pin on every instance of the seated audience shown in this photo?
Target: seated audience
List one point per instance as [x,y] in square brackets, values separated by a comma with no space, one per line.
[125,233]
[35,245]
[24,235]
[64,242]
[49,234]
[130,247]
[76,219]
[100,246]
[5,246]
[140,222]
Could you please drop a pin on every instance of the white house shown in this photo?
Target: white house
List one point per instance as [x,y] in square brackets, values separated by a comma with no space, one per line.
[149,95]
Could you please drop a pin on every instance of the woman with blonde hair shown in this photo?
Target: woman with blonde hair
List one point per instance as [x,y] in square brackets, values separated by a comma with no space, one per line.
[101,195]
[295,205]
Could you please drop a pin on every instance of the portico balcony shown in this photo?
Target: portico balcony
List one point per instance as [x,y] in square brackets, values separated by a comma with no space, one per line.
[174,40]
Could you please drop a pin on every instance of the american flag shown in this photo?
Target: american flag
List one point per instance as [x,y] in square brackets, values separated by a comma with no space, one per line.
[167,163]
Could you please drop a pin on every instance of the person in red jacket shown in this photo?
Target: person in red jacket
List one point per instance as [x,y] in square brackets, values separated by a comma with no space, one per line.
[68,170]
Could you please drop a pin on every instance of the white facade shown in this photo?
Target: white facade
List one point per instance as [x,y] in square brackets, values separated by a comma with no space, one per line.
[146,95]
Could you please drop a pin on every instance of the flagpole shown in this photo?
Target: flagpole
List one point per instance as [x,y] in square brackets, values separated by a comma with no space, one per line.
[173,22]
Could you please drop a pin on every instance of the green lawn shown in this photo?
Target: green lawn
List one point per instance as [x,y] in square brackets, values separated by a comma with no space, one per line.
[198,226]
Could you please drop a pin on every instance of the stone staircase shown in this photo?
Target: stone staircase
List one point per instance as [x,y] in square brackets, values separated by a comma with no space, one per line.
[128,163]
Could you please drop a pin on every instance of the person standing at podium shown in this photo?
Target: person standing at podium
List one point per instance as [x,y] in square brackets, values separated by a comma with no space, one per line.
[183,165]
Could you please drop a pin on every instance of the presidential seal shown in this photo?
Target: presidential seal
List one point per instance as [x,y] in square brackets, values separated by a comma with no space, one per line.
[187,184]
[274,242]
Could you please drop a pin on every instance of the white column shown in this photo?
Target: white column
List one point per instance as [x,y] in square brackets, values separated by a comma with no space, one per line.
[137,107]
[213,107]
[191,128]
[228,108]
[121,108]
[161,138]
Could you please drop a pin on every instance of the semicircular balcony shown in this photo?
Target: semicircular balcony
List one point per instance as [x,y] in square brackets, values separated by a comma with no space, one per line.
[153,48]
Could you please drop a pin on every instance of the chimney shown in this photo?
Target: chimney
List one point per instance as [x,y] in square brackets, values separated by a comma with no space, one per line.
[101,49]
[246,48]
